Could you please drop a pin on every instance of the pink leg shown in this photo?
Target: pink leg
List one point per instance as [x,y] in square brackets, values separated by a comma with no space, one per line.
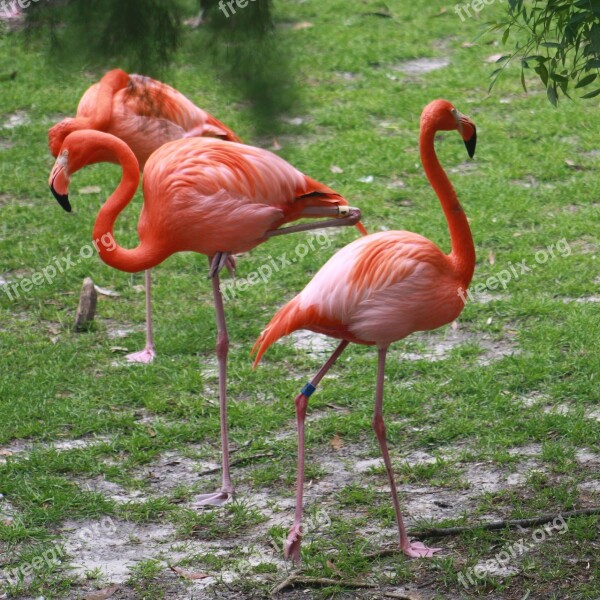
[148,353]
[412,549]
[294,539]
[219,498]
[345,216]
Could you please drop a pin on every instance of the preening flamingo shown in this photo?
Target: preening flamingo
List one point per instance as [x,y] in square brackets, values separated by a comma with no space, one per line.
[379,289]
[145,114]
[200,195]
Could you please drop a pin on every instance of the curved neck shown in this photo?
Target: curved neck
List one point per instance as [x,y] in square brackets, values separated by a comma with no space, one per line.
[463,250]
[110,84]
[145,256]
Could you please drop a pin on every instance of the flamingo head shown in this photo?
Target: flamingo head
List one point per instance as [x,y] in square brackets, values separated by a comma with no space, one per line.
[445,117]
[60,178]
[79,149]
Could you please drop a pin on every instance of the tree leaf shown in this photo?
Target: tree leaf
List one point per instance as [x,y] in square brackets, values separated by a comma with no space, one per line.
[586,80]
[592,94]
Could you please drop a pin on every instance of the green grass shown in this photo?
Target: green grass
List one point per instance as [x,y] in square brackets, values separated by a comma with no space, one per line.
[466,411]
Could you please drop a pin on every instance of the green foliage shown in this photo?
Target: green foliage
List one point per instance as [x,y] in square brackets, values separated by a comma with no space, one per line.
[140,34]
[562,43]
[247,53]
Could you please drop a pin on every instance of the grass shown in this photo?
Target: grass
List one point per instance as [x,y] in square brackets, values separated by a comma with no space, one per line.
[493,420]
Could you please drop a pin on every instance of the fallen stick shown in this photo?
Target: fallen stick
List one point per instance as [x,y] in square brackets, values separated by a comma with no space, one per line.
[510,523]
[293,580]
[234,463]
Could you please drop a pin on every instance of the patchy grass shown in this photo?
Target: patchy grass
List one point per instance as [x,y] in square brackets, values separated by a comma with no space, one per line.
[495,419]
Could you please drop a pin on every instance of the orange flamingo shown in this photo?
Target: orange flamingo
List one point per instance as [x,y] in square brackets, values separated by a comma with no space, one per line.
[379,289]
[200,195]
[145,114]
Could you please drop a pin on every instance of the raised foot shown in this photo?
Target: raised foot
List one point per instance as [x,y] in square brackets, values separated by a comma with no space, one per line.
[293,543]
[145,356]
[219,498]
[419,550]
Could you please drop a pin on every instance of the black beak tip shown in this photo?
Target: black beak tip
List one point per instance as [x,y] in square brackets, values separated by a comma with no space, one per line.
[471,144]
[63,200]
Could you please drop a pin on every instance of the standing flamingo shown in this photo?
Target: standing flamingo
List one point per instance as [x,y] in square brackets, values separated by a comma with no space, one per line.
[200,195]
[379,289]
[145,114]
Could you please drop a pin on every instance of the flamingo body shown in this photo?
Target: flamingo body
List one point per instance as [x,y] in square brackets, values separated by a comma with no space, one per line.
[141,111]
[208,196]
[375,291]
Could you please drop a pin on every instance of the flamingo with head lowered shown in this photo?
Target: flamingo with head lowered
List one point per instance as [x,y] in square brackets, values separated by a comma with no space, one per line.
[380,289]
[145,114]
[200,195]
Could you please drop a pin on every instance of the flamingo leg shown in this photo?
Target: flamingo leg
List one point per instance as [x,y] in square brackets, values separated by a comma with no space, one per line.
[148,353]
[294,539]
[220,497]
[412,549]
[345,216]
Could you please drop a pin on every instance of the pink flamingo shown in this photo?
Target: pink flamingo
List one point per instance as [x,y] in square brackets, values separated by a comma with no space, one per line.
[145,114]
[200,195]
[380,289]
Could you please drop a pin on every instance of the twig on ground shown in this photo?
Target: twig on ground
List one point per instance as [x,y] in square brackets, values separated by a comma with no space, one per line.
[294,580]
[235,463]
[510,523]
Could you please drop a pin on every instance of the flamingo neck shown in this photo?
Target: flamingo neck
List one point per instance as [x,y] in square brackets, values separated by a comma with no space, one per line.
[146,255]
[463,250]
[110,84]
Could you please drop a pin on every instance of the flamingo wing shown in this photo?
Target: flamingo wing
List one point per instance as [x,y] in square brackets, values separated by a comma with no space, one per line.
[376,290]
[225,196]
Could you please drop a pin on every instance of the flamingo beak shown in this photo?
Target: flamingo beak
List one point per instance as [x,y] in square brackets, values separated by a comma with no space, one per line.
[471,143]
[467,131]
[59,185]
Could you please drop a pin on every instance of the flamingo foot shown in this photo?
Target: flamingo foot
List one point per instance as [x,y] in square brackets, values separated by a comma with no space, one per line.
[219,498]
[293,544]
[145,356]
[220,260]
[419,550]
[231,265]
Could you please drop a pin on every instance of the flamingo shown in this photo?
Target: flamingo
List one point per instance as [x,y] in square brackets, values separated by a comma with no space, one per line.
[379,289]
[145,114]
[201,195]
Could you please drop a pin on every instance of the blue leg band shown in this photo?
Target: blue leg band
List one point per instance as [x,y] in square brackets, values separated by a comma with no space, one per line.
[308,390]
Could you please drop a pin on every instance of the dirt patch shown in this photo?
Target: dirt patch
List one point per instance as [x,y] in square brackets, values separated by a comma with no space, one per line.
[582,300]
[172,470]
[16,119]
[528,182]
[419,66]
[113,547]
[463,168]
[439,344]
[316,345]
